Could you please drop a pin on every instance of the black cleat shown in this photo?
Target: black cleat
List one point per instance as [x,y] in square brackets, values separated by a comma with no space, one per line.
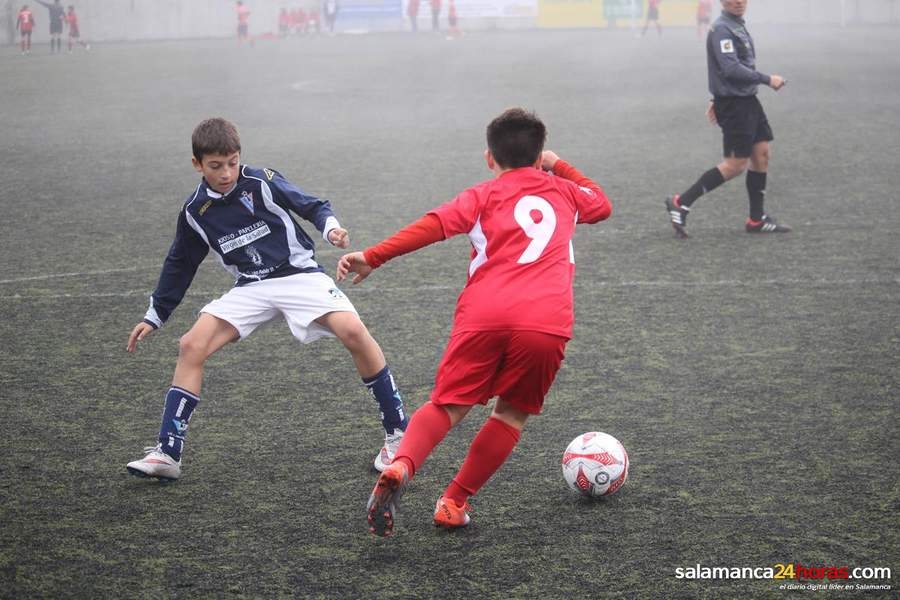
[677,215]
[765,225]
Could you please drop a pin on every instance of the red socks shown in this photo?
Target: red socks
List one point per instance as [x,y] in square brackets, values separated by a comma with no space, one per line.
[427,427]
[487,453]
[489,450]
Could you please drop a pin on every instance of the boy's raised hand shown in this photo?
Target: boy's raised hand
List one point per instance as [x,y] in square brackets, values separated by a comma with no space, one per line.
[354,262]
[548,159]
[139,332]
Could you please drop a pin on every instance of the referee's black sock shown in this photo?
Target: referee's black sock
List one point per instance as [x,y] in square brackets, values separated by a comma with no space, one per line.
[707,183]
[756,190]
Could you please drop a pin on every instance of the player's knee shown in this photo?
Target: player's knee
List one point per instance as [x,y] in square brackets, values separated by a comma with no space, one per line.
[761,158]
[192,348]
[509,414]
[732,167]
[355,336]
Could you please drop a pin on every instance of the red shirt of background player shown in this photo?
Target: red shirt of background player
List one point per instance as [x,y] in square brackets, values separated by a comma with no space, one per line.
[25,21]
[243,14]
[72,22]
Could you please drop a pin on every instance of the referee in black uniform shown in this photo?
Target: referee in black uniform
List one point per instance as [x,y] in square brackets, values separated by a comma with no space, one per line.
[733,82]
[57,18]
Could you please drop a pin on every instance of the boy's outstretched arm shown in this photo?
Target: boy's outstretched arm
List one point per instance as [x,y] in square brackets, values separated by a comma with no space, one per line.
[419,234]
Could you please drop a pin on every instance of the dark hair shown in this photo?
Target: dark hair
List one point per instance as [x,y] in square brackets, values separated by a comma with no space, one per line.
[516,138]
[215,136]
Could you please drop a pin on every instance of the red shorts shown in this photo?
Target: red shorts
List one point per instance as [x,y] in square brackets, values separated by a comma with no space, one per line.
[517,366]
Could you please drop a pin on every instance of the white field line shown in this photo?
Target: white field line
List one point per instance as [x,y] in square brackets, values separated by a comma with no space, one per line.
[369,289]
[52,276]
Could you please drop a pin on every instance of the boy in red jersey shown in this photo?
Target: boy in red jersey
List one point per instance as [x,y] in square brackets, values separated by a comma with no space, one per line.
[452,21]
[704,11]
[74,32]
[243,17]
[298,21]
[513,318]
[412,11]
[25,25]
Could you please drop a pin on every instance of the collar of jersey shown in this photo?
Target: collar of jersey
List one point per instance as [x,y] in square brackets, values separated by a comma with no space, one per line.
[734,18]
[216,195]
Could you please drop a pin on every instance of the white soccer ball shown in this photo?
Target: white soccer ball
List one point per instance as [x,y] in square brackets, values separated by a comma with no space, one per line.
[595,464]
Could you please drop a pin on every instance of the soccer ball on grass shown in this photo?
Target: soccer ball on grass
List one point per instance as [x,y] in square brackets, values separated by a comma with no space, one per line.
[595,464]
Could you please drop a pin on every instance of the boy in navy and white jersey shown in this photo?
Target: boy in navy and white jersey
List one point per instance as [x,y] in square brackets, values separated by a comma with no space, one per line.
[243,215]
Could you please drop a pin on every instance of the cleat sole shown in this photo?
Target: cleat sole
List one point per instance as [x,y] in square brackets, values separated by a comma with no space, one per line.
[142,475]
[383,502]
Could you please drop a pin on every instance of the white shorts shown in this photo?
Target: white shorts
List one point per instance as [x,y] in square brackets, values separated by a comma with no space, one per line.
[301,298]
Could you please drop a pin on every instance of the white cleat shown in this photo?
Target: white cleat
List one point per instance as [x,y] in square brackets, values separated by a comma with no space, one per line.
[157,464]
[387,452]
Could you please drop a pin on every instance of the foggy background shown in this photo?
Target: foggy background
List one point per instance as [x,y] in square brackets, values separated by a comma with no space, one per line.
[108,20]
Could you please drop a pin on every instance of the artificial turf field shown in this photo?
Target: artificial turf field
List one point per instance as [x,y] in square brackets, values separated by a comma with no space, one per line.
[753,379]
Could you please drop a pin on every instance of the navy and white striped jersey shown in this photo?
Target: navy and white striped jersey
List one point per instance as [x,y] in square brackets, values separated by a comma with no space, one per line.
[249,229]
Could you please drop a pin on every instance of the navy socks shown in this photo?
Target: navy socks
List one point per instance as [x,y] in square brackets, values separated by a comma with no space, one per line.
[180,405]
[389,401]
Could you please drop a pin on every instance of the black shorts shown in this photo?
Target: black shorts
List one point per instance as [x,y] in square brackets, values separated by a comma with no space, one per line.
[242,30]
[652,14]
[55,28]
[743,122]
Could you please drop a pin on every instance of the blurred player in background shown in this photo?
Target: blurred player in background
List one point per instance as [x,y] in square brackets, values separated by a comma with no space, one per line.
[243,28]
[74,31]
[704,13]
[284,23]
[244,216]
[25,25]
[435,15]
[57,18]
[652,15]
[330,9]
[746,133]
[298,20]
[313,21]
[513,318]
[412,11]
[452,21]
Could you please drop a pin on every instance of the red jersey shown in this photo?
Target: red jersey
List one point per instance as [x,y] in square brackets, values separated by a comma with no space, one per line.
[521,225]
[25,21]
[243,15]
[72,21]
[653,4]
